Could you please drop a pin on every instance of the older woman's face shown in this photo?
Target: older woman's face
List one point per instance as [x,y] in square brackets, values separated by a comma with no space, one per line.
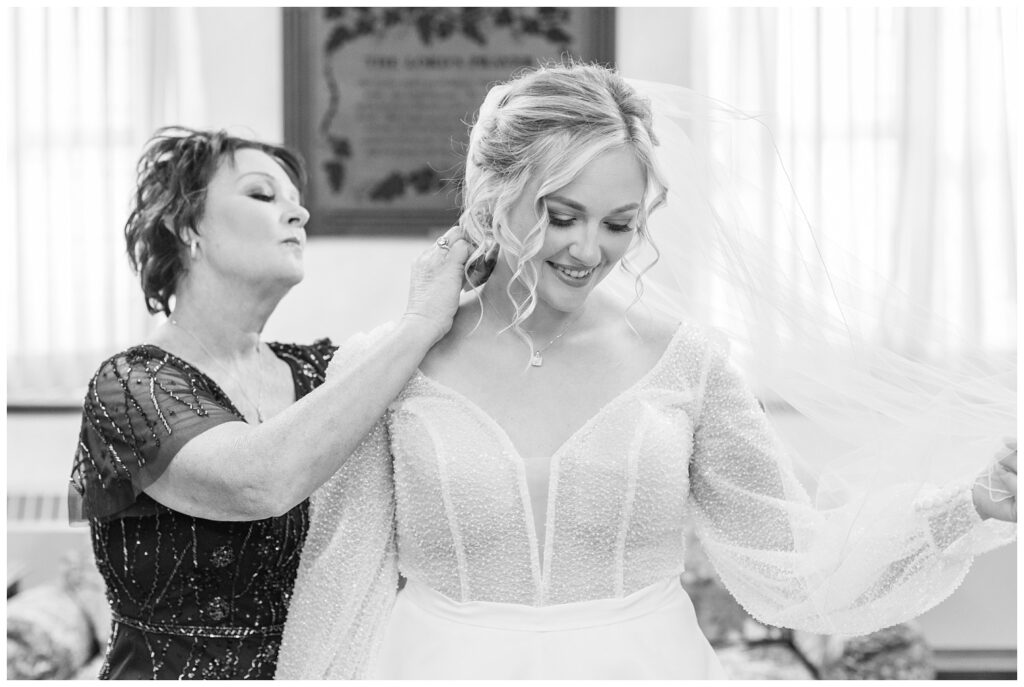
[253,225]
[591,224]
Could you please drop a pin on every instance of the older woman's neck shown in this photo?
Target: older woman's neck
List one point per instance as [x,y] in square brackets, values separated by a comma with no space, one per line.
[229,321]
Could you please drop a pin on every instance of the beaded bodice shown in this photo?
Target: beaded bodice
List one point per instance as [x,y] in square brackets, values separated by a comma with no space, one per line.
[438,491]
[688,437]
[190,597]
[616,495]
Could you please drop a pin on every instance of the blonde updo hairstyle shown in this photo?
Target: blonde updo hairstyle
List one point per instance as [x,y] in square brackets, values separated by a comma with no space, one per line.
[548,124]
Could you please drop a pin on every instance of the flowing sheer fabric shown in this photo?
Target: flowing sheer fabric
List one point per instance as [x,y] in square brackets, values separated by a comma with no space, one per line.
[832,349]
[889,531]
[811,327]
[908,157]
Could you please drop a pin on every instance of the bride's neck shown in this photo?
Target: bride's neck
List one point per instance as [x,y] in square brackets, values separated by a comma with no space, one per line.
[498,310]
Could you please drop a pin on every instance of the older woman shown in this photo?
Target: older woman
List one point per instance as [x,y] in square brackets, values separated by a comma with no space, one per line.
[199,447]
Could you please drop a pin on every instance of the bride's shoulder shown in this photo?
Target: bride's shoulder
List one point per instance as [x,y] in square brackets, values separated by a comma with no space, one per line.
[668,335]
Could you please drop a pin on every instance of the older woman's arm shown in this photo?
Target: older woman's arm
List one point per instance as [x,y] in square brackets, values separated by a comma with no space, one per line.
[237,471]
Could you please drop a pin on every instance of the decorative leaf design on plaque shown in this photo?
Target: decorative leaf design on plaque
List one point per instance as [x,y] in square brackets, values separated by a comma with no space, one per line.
[434,24]
[423,180]
[335,169]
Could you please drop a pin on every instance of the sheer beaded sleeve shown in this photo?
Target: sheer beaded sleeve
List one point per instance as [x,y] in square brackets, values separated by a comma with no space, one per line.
[141,407]
[348,573]
[881,558]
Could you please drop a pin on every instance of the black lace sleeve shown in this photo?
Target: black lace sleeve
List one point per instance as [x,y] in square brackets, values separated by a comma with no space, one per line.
[141,407]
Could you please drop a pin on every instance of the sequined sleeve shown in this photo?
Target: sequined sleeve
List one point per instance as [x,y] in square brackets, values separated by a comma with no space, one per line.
[879,559]
[308,362]
[141,407]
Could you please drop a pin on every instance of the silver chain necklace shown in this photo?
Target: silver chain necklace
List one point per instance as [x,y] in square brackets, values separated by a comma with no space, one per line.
[259,358]
[537,359]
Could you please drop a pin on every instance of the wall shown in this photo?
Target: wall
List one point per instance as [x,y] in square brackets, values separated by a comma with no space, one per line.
[243,87]
[244,90]
[241,65]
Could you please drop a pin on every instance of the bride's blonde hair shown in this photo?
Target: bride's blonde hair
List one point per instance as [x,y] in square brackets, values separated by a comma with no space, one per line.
[548,124]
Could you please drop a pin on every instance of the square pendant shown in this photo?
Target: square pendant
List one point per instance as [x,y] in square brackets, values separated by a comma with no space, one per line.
[536,360]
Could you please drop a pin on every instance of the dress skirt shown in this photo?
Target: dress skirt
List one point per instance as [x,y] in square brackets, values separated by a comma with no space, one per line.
[650,634]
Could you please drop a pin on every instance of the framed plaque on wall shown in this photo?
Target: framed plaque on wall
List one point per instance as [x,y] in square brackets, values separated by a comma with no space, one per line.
[379,100]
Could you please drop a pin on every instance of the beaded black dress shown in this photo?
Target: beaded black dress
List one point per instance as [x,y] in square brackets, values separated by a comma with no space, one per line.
[191,598]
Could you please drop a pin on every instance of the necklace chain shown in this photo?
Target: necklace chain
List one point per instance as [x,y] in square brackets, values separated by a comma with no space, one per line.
[537,359]
[259,358]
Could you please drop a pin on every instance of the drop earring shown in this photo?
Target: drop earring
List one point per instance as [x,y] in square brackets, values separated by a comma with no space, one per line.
[192,248]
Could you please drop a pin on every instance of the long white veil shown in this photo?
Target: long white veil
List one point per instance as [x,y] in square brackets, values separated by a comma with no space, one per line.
[868,413]
[833,349]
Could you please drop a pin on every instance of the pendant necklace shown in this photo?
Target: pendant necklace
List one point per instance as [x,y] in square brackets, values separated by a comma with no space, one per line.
[213,358]
[537,359]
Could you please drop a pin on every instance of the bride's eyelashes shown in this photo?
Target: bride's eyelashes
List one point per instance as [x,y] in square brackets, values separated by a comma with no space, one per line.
[560,220]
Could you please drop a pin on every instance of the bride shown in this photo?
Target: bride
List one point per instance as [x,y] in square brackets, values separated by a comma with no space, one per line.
[533,480]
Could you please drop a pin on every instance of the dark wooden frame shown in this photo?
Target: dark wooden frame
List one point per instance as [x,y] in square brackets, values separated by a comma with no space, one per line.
[302,69]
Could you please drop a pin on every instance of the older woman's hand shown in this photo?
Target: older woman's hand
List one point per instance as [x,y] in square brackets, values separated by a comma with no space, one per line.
[436,282]
[995,491]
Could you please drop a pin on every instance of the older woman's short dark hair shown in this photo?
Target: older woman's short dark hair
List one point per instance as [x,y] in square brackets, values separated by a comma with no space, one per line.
[174,172]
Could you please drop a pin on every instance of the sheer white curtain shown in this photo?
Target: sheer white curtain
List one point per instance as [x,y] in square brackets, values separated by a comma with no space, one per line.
[898,128]
[83,91]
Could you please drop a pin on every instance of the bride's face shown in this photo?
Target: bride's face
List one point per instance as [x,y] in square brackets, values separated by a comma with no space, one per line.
[591,224]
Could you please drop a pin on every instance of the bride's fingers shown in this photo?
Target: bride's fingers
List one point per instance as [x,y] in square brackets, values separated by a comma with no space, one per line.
[1008,475]
[1009,463]
[1010,482]
[1006,453]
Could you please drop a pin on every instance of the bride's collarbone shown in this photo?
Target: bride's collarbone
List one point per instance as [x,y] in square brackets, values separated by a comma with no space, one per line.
[584,369]
[539,414]
[506,385]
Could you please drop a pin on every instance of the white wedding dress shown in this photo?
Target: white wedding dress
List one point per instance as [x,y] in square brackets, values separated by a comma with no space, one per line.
[438,492]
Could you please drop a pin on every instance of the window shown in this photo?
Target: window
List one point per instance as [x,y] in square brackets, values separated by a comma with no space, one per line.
[896,126]
[85,89]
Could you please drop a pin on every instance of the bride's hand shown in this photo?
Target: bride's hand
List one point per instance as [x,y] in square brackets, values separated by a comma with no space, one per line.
[995,490]
[436,282]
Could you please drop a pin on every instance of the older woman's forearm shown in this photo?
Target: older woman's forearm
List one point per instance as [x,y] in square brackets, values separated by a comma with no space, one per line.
[237,471]
[308,442]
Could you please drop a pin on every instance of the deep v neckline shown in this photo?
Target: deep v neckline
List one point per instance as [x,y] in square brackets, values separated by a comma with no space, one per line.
[215,387]
[541,560]
[504,436]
